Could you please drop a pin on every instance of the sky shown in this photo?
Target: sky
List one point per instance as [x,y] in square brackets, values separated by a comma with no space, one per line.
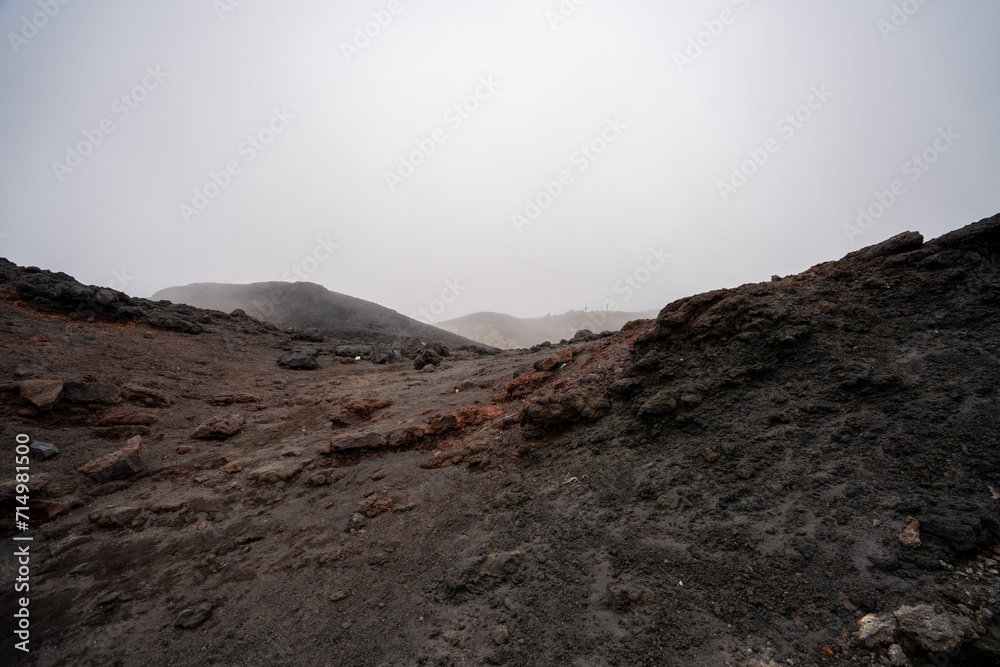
[443,157]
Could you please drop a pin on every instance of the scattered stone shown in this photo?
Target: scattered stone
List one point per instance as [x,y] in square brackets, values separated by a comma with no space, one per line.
[466,385]
[355,351]
[193,617]
[187,449]
[427,356]
[92,392]
[232,467]
[356,521]
[337,596]
[932,631]
[375,504]
[122,463]
[910,537]
[500,634]
[273,473]
[43,394]
[219,427]
[499,564]
[896,656]
[43,450]
[429,368]
[300,360]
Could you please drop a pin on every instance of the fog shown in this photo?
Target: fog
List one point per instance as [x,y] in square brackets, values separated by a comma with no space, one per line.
[518,157]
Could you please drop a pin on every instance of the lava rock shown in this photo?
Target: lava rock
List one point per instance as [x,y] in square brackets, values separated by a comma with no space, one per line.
[43,394]
[43,450]
[219,427]
[121,463]
[427,357]
[193,617]
[300,360]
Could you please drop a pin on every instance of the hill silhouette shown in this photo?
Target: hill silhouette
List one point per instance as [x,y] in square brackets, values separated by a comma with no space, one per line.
[302,306]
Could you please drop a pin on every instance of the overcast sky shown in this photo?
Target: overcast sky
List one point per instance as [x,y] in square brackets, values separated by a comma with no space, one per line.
[519,157]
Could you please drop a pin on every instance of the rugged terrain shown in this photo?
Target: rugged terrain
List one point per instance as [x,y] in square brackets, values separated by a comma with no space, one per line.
[798,472]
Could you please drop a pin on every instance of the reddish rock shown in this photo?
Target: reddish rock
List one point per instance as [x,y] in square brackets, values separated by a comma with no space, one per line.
[554,361]
[219,427]
[354,411]
[233,467]
[910,537]
[122,463]
[463,418]
[43,394]
[187,449]
[526,384]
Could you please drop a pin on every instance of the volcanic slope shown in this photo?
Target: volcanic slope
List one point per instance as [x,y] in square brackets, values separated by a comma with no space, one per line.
[740,481]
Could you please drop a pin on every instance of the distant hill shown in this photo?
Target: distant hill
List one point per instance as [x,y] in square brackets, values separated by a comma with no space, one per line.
[509,332]
[305,305]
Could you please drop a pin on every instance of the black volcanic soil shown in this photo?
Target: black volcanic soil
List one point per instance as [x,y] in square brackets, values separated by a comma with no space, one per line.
[725,485]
